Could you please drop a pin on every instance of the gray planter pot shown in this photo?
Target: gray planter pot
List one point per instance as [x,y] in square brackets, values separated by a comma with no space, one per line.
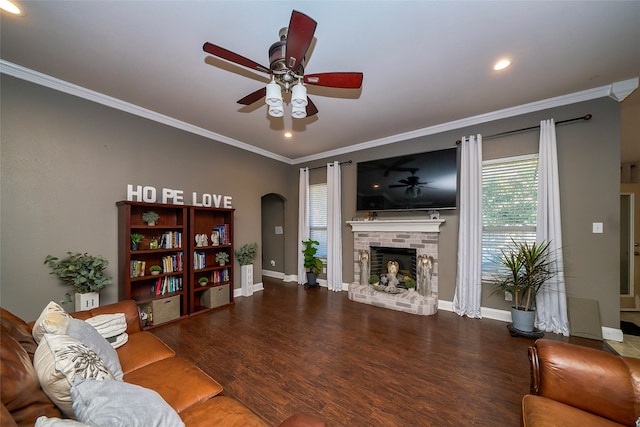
[523,320]
[311,279]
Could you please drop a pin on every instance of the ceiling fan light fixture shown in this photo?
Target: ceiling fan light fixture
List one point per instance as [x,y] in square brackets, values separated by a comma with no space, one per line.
[299,95]
[274,95]
[298,112]
[276,110]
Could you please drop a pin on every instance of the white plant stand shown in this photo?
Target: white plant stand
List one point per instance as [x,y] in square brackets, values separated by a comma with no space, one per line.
[246,279]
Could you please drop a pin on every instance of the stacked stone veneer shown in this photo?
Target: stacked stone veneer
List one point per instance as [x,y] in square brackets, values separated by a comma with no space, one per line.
[424,242]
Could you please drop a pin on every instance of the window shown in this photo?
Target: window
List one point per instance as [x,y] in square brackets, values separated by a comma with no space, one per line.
[509,206]
[318,217]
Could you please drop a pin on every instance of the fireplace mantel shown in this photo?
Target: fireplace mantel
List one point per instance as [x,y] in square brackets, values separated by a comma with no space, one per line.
[398,225]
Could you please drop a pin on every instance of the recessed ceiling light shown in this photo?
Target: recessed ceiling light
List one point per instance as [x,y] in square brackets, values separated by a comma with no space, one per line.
[502,64]
[288,134]
[10,7]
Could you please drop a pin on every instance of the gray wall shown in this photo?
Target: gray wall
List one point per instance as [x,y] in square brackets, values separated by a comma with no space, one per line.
[66,161]
[272,243]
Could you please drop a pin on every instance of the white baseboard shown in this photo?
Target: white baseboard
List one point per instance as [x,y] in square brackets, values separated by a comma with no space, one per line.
[257,287]
[274,274]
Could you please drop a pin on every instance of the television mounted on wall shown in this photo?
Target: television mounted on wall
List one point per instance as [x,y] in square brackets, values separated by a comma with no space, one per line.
[423,181]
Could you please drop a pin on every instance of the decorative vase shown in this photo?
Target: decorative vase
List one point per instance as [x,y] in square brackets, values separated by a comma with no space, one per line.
[87,301]
[155,273]
[222,263]
[151,223]
[311,279]
[134,246]
[523,320]
[246,278]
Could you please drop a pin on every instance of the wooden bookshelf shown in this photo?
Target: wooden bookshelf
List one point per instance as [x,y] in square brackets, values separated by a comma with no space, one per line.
[202,258]
[164,244]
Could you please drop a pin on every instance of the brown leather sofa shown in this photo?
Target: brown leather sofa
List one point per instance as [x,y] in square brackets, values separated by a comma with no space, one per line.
[573,385]
[146,361]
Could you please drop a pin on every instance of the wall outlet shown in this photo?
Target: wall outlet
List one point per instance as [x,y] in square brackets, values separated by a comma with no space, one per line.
[508,296]
[598,227]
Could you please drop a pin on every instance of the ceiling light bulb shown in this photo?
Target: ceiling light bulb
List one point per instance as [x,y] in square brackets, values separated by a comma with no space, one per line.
[288,134]
[299,96]
[298,112]
[502,64]
[10,7]
[274,94]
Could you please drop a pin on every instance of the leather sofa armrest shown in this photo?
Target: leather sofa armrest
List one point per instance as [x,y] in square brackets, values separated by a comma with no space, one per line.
[592,380]
[128,307]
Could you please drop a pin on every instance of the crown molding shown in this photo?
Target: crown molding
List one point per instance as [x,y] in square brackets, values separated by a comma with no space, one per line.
[97,97]
[617,90]
[558,101]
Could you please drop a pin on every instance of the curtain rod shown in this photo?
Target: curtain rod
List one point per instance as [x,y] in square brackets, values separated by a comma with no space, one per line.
[341,163]
[586,117]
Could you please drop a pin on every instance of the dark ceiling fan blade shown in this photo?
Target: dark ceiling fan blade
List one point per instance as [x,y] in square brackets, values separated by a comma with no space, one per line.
[223,53]
[339,80]
[312,110]
[299,37]
[253,97]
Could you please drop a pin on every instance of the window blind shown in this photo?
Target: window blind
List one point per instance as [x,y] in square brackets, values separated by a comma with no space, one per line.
[318,217]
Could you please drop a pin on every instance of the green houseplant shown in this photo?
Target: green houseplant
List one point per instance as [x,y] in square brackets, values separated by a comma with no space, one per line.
[246,253]
[155,270]
[312,263]
[150,217]
[203,281]
[84,272]
[525,268]
[374,279]
[135,240]
[222,258]
[410,284]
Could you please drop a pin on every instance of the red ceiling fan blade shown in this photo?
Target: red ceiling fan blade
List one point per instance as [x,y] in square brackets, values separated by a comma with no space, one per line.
[253,97]
[312,110]
[223,53]
[339,80]
[299,36]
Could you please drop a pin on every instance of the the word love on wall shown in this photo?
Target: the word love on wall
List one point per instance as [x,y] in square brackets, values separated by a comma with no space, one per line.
[148,194]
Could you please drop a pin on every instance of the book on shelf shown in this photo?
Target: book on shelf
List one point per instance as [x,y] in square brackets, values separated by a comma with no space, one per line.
[171,240]
[137,268]
[199,260]
[166,285]
[221,276]
[172,263]
[223,233]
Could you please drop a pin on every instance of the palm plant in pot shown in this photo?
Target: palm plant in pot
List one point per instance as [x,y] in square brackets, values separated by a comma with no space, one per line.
[85,273]
[312,263]
[525,268]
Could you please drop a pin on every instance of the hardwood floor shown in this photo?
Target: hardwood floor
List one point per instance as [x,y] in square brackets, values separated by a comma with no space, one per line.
[287,350]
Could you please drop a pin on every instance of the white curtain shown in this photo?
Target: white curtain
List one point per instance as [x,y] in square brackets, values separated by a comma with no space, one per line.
[467,297]
[334,228]
[303,221]
[551,303]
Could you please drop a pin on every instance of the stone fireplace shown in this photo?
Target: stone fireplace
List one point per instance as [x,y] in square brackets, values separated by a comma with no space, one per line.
[400,238]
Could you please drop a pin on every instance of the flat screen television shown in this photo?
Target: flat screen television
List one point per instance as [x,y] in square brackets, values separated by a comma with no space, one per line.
[423,181]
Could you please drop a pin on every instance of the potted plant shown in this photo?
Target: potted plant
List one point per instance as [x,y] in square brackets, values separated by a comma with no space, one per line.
[150,217]
[245,256]
[222,258]
[155,270]
[525,269]
[374,279]
[203,281]
[85,273]
[312,263]
[135,240]
[410,284]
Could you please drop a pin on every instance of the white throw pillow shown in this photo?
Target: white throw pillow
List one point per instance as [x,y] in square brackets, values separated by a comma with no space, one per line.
[52,320]
[58,360]
[58,422]
[116,404]
[87,334]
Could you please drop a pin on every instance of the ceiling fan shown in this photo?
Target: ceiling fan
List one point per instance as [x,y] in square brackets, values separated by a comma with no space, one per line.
[412,184]
[286,68]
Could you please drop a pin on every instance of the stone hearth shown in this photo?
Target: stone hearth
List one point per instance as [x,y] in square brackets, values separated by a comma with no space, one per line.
[421,235]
